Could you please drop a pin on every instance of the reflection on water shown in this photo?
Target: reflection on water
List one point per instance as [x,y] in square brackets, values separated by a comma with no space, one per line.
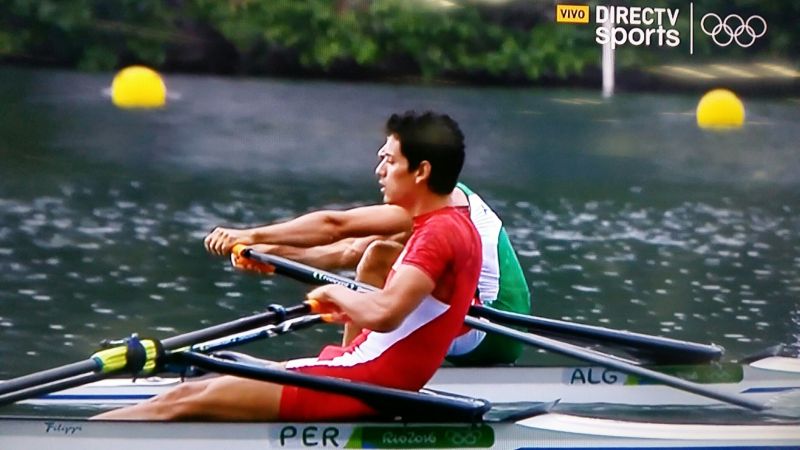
[794,341]
[623,213]
[676,268]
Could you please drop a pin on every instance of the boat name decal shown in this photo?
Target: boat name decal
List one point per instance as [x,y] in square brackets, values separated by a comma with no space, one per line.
[60,428]
[408,438]
[393,437]
[309,436]
[590,376]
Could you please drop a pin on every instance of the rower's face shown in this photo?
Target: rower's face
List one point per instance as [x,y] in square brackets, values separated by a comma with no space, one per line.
[392,171]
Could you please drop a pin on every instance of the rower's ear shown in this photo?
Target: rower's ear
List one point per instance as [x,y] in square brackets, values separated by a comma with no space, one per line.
[423,172]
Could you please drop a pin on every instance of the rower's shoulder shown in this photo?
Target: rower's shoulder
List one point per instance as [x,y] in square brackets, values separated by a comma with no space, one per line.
[384,212]
[457,228]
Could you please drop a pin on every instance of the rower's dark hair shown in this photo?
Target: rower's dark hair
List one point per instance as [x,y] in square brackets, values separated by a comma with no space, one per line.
[431,137]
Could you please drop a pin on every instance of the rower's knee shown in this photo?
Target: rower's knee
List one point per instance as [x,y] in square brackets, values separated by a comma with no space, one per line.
[182,391]
[377,260]
[224,398]
[179,402]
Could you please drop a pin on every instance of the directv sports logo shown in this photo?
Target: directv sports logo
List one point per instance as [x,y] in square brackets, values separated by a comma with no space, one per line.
[657,26]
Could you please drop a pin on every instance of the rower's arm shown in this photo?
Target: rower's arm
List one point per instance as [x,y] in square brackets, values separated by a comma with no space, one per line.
[381,310]
[314,229]
[344,254]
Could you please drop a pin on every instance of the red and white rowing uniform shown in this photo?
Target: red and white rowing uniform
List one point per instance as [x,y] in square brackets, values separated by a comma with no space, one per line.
[445,246]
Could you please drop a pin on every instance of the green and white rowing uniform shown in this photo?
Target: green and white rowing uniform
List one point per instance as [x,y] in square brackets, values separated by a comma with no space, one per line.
[501,286]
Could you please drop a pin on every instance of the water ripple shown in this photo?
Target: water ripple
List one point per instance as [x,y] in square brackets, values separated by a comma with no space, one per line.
[107,241]
[700,252]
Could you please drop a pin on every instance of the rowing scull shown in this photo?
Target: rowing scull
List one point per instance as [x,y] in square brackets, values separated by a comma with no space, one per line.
[759,380]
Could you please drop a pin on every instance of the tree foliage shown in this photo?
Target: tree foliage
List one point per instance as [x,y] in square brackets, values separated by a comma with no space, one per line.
[453,39]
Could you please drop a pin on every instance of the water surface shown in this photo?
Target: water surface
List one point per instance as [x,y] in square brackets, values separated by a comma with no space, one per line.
[623,212]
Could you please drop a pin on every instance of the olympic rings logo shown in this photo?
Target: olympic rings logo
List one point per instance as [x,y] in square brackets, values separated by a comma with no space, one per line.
[733,28]
[463,438]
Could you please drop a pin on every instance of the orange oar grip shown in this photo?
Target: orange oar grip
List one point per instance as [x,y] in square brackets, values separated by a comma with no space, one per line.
[314,305]
[328,318]
[237,250]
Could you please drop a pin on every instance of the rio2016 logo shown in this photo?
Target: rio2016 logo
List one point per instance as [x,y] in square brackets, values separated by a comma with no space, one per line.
[733,29]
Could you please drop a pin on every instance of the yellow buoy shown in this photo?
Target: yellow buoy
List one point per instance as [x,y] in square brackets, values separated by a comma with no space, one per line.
[138,87]
[720,108]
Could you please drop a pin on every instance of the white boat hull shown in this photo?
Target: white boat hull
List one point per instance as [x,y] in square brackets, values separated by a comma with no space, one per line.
[761,381]
[544,431]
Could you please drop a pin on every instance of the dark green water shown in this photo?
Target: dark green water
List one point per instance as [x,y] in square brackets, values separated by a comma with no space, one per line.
[624,213]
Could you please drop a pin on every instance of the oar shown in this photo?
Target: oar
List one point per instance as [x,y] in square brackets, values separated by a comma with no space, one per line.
[267,331]
[298,271]
[114,360]
[416,405]
[302,272]
[657,349]
[601,359]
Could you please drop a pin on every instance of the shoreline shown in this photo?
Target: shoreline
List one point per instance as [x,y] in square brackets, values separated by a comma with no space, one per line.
[627,80]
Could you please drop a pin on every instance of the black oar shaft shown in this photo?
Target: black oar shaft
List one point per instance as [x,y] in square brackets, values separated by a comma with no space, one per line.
[175,342]
[256,334]
[55,386]
[210,346]
[660,349]
[46,376]
[234,326]
[600,359]
[309,274]
[304,273]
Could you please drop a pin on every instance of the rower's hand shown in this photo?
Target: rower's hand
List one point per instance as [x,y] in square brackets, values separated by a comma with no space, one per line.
[240,262]
[220,241]
[322,304]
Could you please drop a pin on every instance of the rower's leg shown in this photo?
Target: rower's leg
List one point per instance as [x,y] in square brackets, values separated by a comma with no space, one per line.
[224,398]
[372,269]
[374,266]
